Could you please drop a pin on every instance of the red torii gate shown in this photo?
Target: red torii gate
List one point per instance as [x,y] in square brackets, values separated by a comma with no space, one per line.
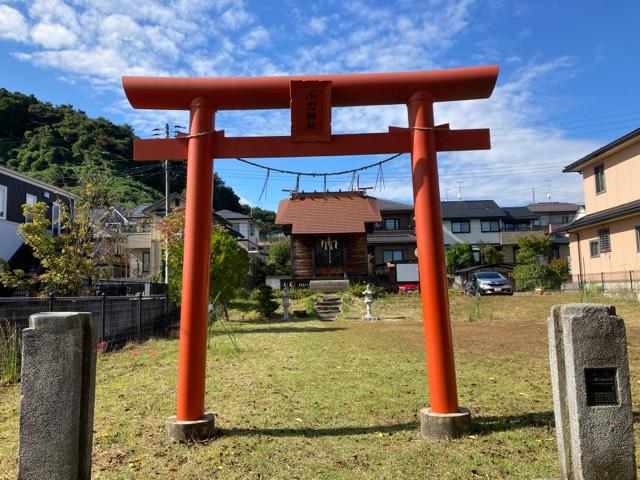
[311,99]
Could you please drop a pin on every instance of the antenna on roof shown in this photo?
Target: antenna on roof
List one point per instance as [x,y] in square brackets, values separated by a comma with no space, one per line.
[548,191]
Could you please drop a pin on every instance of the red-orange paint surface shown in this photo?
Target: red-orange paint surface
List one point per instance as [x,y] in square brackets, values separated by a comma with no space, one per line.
[195,274]
[204,96]
[430,242]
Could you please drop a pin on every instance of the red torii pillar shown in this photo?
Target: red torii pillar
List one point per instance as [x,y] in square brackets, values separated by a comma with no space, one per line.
[418,90]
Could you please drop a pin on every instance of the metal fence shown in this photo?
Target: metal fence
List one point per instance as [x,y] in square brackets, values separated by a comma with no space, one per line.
[610,281]
[116,319]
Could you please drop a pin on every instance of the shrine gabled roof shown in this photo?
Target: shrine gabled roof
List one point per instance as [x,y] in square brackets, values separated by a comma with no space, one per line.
[328,212]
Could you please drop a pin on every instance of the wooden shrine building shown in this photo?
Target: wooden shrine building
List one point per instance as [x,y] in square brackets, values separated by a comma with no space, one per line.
[328,233]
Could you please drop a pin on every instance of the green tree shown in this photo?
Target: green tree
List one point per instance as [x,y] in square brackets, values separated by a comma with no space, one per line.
[489,254]
[459,255]
[265,301]
[266,219]
[229,262]
[66,259]
[224,198]
[279,259]
[532,248]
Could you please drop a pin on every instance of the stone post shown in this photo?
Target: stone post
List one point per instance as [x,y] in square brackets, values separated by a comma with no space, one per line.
[368,300]
[285,303]
[57,394]
[591,392]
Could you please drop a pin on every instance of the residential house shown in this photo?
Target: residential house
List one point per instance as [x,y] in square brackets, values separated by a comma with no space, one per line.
[393,238]
[605,243]
[246,226]
[474,221]
[553,215]
[134,233]
[328,233]
[17,189]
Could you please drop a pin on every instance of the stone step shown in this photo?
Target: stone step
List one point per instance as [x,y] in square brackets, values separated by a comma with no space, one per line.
[321,309]
[328,304]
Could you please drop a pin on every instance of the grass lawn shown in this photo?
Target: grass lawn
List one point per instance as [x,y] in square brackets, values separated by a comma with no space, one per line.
[329,400]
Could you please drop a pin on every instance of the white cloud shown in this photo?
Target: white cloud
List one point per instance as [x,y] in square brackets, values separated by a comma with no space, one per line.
[318,25]
[54,12]
[257,37]
[12,24]
[53,35]
[97,42]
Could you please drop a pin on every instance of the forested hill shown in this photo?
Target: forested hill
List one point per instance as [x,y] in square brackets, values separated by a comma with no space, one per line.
[59,145]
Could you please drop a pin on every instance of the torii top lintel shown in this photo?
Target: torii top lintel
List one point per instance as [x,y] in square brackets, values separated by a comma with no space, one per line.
[347,90]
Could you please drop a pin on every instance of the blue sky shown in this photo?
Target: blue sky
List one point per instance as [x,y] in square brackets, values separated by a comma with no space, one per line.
[568,81]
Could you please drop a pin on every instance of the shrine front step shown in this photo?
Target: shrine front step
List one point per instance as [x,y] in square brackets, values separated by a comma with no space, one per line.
[327,308]
[328,286]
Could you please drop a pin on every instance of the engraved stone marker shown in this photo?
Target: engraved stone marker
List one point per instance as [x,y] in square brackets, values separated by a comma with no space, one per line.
[57,394]
[591,393]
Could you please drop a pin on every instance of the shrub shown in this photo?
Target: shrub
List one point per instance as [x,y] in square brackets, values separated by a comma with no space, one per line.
[459,255]
[279,259]
[532,276]
[357,290]
[299,293]
[561,266]
[532,248]
[265,301]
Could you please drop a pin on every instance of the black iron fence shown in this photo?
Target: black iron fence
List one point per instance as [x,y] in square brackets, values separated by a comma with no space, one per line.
[116,319]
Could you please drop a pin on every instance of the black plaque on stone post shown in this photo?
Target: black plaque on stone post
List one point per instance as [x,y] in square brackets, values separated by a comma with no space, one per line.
[602,388]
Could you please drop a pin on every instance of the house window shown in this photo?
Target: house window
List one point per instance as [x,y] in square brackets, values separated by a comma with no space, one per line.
[460,227]
[392,224]
[176,202]
[146,262]
[593,248]
[490,226]
[31,200]
[565,220]
[236,227]
[55,219]
[598,172]
[605,240]
[556,251]
[3,202]
[252,229]
[392,255]
[638,239]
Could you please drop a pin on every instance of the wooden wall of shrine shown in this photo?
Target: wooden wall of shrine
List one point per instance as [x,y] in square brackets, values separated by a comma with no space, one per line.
[310,259]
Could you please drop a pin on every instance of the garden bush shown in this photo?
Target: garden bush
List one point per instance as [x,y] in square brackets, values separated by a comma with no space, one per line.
[265,301]
[357,290]
[531,276]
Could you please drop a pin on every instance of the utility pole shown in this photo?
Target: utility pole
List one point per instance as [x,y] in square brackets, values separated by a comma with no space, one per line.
[533,194]
[166,208]
[167,134]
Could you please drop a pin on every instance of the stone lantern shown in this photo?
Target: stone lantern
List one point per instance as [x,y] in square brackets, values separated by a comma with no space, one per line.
[368,300]
[285,303]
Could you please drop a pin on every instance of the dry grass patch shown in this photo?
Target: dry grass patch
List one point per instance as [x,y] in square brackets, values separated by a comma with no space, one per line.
[312,399]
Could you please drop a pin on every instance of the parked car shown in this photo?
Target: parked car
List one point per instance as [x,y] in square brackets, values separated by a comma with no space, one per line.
[488,283]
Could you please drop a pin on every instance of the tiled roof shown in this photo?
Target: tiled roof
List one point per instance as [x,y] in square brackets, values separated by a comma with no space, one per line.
[553,207]
[229,215]
[630,208]
[328,212]
[385,237]
[391,206]
[519,213]
[471,209]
